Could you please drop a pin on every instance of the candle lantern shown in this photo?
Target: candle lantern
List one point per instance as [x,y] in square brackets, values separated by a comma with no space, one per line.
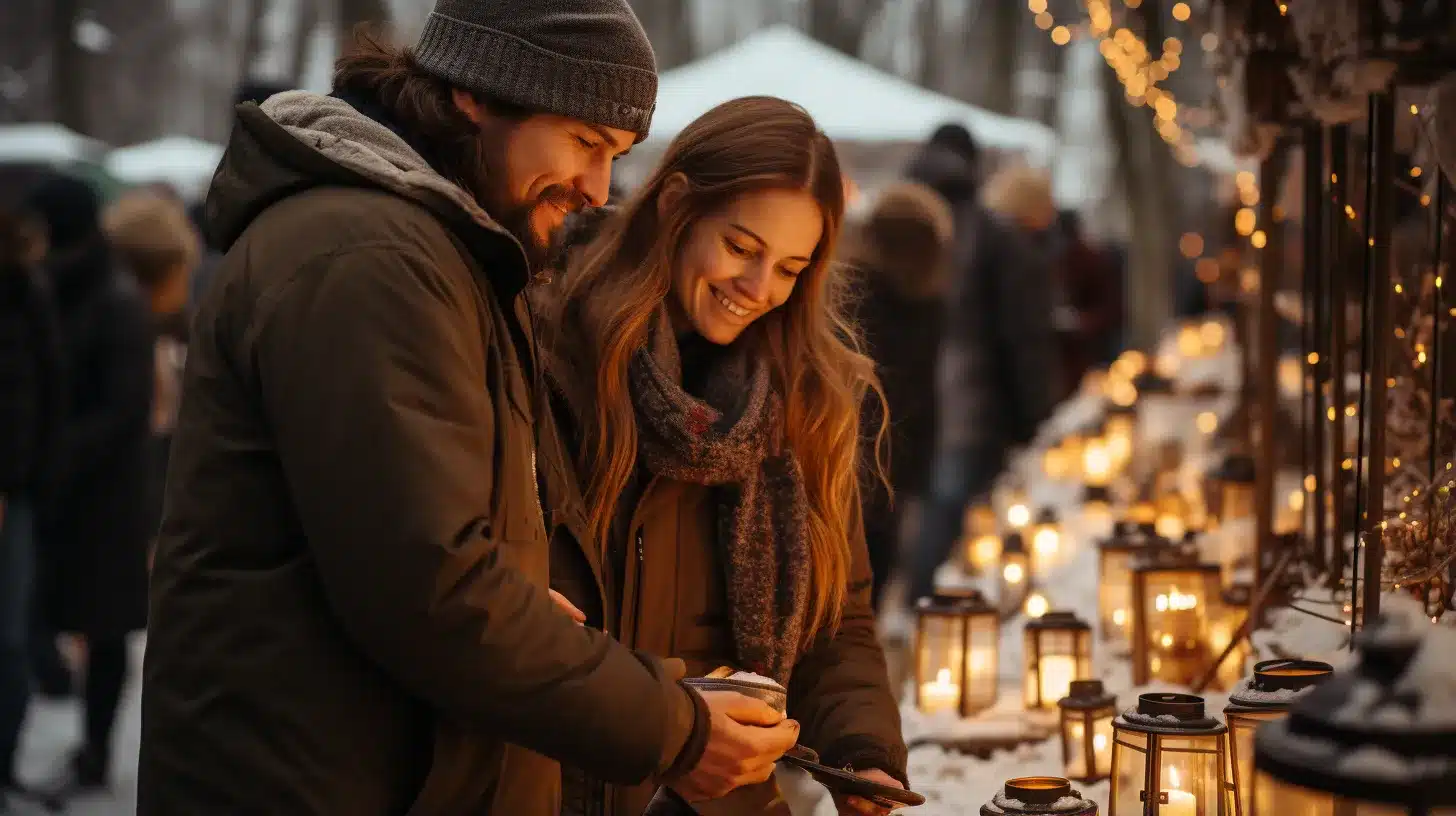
[1115,558]
[1221,630]
[1015,578]
[1264,697]
[1374,740]
[1231,488]
[1087,713]
[1046,541]
[1097,461]
[1172,515]
[1039,796]
[1174,596]
[1055,463]
[981,544]
[1119,431]
[1097,511]
[1169,759]
[1142,512]
[956,636]
[1058,651]
[1018,511]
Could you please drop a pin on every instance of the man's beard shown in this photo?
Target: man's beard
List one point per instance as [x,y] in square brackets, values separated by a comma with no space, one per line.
[517,220]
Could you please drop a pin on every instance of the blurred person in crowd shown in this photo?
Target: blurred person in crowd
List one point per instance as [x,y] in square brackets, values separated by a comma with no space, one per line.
[96,526]
[350,601]
[902,251]
[1094,298]
[695,352]
[155,240]
[998,369]
[30,405]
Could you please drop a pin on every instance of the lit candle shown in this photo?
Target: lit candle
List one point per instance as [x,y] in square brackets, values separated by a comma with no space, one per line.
[1018,516]
[1036,605]
[1013,573]
[1180,802]
[1057,674]
[1101,751]
[941,695]
[1096,463]
[984,551]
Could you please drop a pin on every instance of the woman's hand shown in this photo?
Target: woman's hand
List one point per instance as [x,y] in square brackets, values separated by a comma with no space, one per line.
[855,806]
[568,607]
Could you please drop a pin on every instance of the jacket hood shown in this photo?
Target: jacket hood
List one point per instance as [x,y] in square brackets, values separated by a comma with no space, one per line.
[298,140]
[945,171]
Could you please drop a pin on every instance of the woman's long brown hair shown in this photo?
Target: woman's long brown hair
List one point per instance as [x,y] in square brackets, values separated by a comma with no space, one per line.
[620,280]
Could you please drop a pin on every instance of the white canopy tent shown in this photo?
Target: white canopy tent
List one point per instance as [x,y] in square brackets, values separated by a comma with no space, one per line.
[850,99]
[47,143]
[181,161]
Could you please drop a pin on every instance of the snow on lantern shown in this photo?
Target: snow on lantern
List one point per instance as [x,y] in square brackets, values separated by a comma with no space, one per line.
[1159,409]
[1174,596]
[1058,651]
[1086,721]
[1046,541]
[1378,739]
[1264,697]
[956,636]
[1169,759]
[1015,579]
[1115,558]
[1230,488]
[1039,796]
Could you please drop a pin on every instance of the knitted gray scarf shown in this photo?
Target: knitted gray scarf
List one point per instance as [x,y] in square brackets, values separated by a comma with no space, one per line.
[731,439]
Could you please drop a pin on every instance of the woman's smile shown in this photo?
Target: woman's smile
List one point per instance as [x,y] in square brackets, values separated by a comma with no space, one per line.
[732,306]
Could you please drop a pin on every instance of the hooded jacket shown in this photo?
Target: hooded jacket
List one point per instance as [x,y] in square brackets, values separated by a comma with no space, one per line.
[349,606]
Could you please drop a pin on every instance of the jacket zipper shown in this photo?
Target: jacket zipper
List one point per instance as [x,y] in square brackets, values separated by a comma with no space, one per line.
[637,589]
[536,486]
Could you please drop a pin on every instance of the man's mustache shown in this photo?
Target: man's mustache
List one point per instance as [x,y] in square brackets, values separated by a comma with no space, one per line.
[566,198]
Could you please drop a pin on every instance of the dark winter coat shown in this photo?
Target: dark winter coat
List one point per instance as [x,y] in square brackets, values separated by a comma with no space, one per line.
[31,396]
[349,604]
[95,528]
[998,368]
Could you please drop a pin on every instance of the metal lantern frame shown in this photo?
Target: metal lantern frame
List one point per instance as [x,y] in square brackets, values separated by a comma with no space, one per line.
[1044,635]
[1035,796]
[1087,713]
[1162,725]
[1045,520]
[1115,558]
[1205,580]
[1264,697]
[1303,758]
[976,629]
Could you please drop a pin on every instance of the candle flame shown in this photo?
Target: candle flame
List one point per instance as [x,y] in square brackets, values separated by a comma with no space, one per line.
[942,677]
[1018,516]
[1173,778]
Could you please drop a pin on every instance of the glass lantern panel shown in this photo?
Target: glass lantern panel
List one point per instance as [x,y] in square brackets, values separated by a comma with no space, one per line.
[1190,774]
[938,669]
[1238,501]
[1175,606]
[1253,799]
[980,681]
[1050,679]
[1115,594]
[1129,770]
[1102,743]
[1076,730]
[1015,577]
[1284,799]
[1084,655]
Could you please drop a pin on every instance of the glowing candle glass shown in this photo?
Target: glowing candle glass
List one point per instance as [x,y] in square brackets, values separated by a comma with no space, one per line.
[1086,727]
[1058,651]
[1169,759]
[1115,557]
[1264,697]
[1175,597]
[1046,542]
[956,639]
[1015,573]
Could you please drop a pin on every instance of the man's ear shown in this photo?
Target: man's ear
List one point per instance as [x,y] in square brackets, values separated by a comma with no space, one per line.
[674,189]
[467,105]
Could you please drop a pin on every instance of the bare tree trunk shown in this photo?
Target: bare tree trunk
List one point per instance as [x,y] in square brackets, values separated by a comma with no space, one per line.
[1146,167]
[68,67]
[997,92]
[303,28]
[928,30]
[670,28]
[841,24]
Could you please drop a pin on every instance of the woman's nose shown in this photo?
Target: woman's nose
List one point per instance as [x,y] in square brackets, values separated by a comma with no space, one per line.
[753,284]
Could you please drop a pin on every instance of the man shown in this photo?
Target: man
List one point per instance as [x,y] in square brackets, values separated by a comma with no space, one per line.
[998,361]
[349,603]
[30,395]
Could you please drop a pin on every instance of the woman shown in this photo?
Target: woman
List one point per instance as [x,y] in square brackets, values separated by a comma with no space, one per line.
[704,371]
[902,251]
[154,238]
[94,579]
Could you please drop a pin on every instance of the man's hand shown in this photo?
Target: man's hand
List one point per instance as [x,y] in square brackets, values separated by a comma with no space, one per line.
[567,606]
[747,737]
[855,806]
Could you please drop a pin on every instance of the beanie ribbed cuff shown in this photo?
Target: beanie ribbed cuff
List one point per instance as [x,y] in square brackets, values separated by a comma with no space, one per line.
[500,66]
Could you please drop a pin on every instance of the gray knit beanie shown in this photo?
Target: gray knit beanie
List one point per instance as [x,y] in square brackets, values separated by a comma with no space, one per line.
[584,59]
